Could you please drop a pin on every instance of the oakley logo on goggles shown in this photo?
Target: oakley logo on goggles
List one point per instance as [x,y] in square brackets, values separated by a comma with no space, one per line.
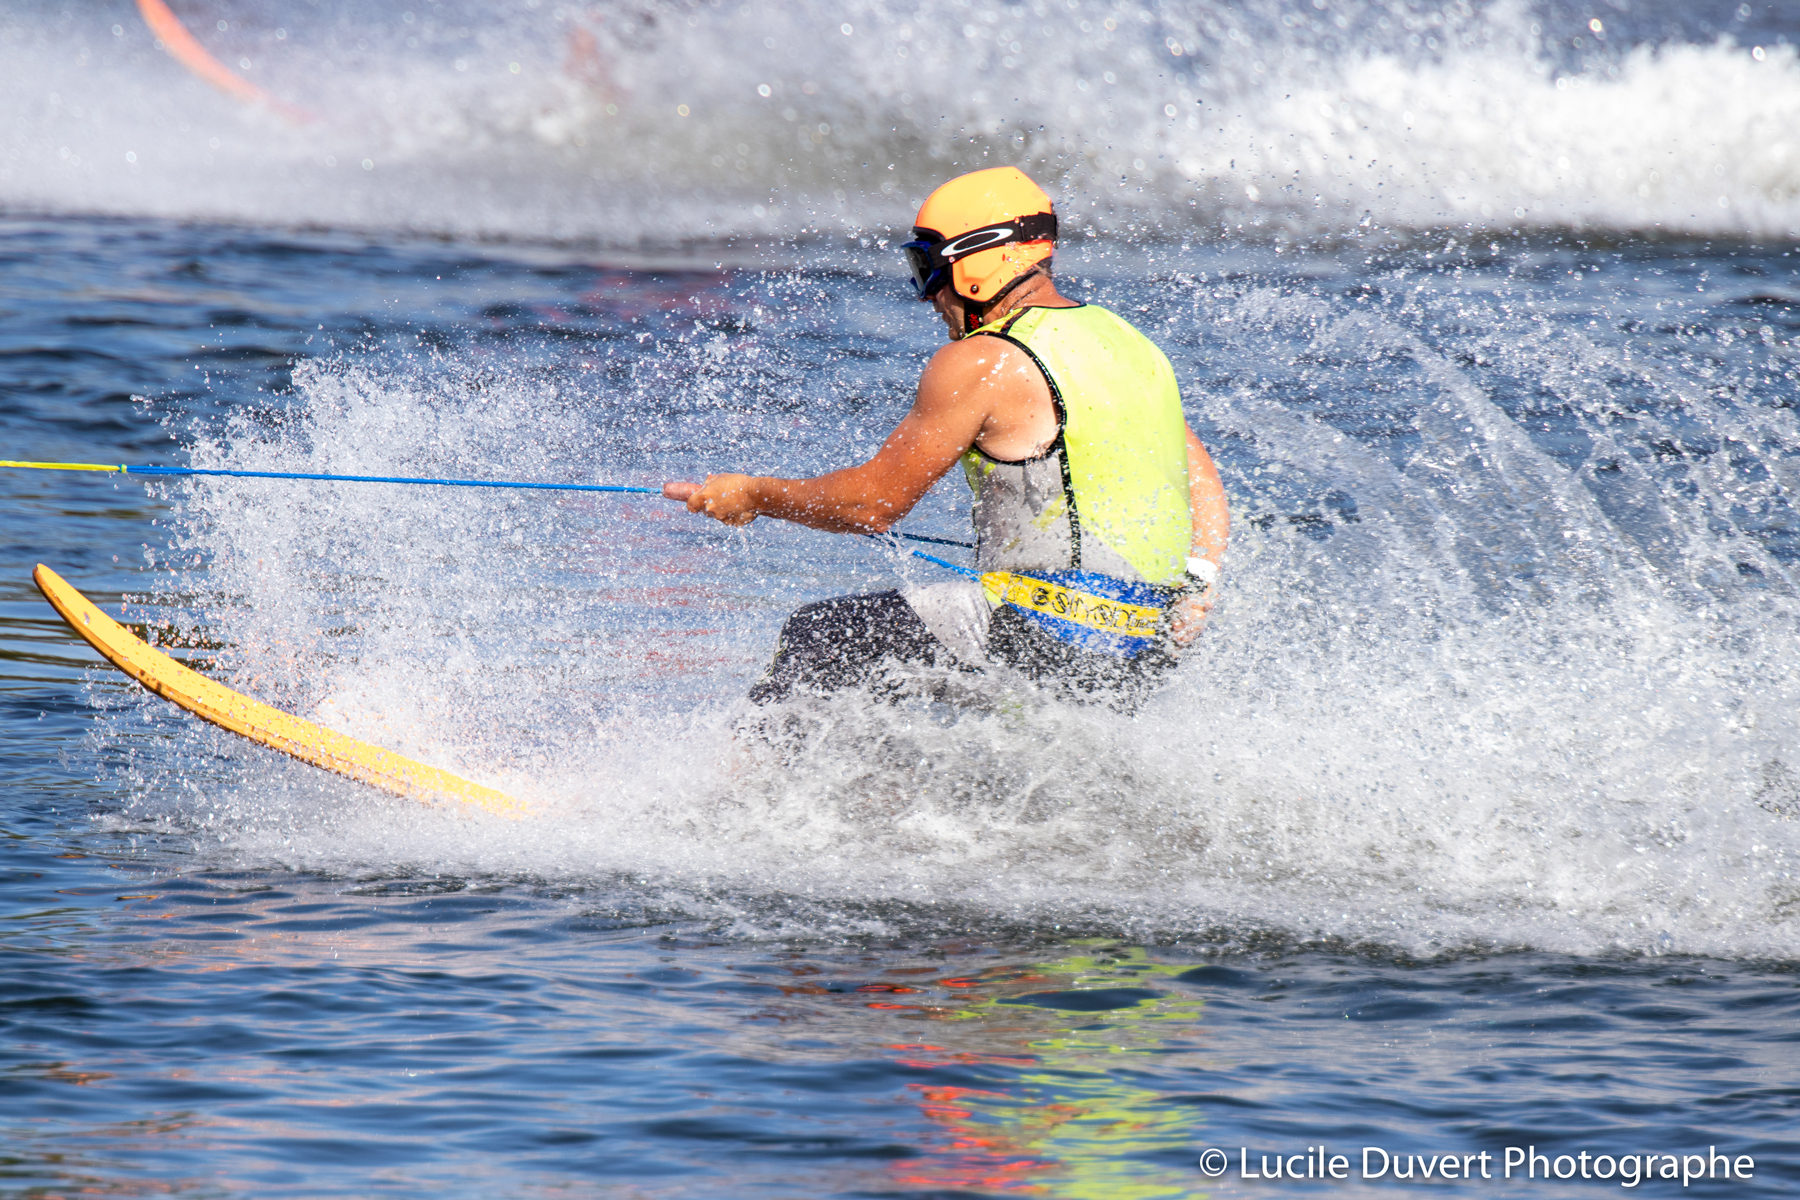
[930,254]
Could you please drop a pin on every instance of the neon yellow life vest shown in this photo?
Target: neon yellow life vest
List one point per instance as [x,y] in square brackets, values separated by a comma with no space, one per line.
[1110,496]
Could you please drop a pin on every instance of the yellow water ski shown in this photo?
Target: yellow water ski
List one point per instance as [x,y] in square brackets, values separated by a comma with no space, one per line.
[257,721]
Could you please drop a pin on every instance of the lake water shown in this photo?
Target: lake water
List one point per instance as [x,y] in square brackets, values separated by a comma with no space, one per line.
[1470,826]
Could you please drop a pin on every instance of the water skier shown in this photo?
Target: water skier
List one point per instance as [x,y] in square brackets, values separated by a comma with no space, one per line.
[1100,520]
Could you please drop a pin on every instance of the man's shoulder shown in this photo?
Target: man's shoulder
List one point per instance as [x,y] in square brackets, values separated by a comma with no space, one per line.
[978,353]
[979,373]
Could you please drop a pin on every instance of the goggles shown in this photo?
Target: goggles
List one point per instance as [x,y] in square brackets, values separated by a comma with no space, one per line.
[929,254]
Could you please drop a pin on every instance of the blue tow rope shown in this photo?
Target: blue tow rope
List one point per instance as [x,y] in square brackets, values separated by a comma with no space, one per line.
[486,483]
[125,469]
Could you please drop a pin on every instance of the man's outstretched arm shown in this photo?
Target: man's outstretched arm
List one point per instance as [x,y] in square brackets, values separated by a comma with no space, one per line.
[956,395]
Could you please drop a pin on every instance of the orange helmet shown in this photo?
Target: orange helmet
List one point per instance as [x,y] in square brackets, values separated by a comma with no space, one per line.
[980,232]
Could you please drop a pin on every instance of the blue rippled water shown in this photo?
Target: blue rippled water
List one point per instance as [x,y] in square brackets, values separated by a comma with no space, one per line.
[1471,826]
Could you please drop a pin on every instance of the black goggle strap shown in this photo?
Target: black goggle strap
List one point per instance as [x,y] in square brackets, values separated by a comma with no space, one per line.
[930,252]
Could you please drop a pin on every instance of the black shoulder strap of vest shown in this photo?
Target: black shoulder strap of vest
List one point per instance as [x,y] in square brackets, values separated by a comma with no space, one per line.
[1060,444]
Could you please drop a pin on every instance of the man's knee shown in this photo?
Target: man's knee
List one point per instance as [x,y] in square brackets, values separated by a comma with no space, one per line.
[838,643]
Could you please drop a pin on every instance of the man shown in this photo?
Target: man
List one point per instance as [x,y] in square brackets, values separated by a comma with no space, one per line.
[1099,516]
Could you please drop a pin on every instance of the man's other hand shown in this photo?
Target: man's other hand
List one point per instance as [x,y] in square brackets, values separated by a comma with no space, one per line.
[1187,617]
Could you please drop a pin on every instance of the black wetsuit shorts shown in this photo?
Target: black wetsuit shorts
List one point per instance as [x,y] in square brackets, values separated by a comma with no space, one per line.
[855,641]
